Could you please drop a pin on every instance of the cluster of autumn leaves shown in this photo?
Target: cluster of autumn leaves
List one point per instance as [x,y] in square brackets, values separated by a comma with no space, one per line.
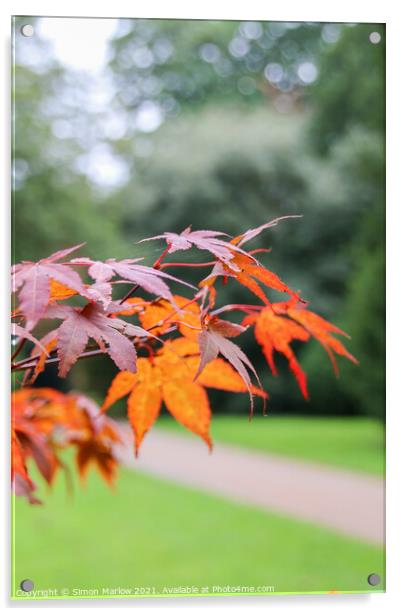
[45,422]
[168,348]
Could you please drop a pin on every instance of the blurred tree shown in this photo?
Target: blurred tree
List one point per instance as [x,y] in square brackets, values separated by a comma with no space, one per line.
[53,204]
[161,66]
[351,90]
[365,307]
[348,125]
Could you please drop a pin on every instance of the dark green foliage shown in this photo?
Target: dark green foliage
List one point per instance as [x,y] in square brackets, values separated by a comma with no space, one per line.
[351,91]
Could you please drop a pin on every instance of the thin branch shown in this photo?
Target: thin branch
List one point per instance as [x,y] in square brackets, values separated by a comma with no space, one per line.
[247,308]
[54,360]
[166,319]
[208,263]
[129,294]
[180,264]
[18,349]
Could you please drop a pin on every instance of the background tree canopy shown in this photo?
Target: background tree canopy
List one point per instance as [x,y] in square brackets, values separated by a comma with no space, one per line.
[222,125]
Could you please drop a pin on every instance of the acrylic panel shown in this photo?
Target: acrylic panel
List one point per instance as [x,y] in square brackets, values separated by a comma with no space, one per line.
[198,308]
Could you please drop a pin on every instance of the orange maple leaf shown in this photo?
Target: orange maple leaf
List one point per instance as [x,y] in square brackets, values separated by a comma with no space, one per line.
[275,333]
[169,377]
[247,271]
[322,330]
[59,291]
[159,315]
[23,484]
[45,421]
[281,323]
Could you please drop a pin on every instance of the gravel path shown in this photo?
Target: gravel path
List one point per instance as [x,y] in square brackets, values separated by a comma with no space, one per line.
[349,502]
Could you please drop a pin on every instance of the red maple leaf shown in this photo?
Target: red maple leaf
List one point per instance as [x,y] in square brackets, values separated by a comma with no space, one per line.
[203,240]
[80,324]
[213,340]
[148,278]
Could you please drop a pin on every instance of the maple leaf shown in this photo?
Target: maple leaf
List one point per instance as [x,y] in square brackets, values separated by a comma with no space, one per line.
[148,278]
[32,283]
[160,315]
[151,385]
[33,444]
[213,340]
[277,326]
[59,291]
[209,338]
[22,483]
[203,240]
[45,420]
[30,441]
[247,270]
[80,324]
[275,333]
[97,446]
[252,233]
[169,377]
[322,330]
[247,274]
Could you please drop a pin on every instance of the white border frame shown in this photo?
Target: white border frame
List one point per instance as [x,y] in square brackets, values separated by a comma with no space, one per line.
[387,11]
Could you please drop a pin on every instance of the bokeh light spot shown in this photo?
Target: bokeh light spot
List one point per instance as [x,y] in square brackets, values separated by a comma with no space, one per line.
[307,72]
[375,38]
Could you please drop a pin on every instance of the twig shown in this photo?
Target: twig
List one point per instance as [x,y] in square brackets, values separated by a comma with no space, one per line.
[248,308]
[166,319]
[180,264]
[54,360]
[19,348]
[207,263]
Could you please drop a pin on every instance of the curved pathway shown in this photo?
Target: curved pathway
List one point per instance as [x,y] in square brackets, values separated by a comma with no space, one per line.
[348,502]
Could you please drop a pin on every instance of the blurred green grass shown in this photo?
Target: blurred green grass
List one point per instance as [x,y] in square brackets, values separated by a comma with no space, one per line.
[352,443]
[155,533]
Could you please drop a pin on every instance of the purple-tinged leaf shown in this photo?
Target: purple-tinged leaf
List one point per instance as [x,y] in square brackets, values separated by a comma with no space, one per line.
[72,339]
[34,295]
[209,350]
[150,279]
[100,292]
[61,254]
[213,340]
[203,240]
[226,328]
[65,275]
[110,334]
[239,361]
[252,233]
[33,280]
[101,272]
[121,350]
